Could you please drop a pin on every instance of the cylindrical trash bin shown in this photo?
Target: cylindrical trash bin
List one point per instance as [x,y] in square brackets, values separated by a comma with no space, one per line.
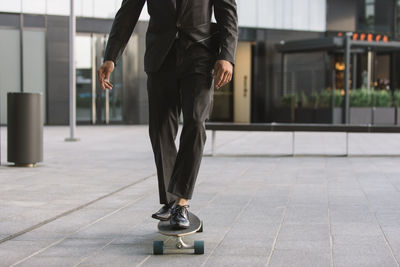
[24,128]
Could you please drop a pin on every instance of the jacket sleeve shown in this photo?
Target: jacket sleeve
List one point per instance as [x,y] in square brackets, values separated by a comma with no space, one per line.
[225,12]
[122,28]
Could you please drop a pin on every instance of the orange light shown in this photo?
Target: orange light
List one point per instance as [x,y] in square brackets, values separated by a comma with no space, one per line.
[340,34]
[378,37]
[362,37]
[355,36]
[339,66]
[370,37]
[385,39]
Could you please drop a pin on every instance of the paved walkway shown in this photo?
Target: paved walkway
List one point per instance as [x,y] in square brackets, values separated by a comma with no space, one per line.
[89,202]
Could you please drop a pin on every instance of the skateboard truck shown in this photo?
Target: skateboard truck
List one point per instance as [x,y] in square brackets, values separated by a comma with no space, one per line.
[198,246]
[165,228]
[180,244]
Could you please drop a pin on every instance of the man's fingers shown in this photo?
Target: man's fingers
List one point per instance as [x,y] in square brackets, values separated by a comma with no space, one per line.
[107,75]
[226,78]
[218,79]
[100,75]
[106,85]
[109,85]
[229,78]
[103,77]
[223,79]
[222,73]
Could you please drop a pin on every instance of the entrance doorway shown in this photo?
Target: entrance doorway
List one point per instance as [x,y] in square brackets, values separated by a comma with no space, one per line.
[382,73]
[232,102]
[242,84]
[94,105]
[368,70]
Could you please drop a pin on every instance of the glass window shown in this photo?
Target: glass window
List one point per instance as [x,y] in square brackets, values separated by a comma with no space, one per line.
[398,15]
[83,49]
[10,73]
[34,65]
[84,77]
[370,12]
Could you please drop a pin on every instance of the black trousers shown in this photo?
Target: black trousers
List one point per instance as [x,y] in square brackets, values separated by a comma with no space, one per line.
[184,84]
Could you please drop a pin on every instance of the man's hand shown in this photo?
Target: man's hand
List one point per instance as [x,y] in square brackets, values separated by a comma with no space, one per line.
[103,74]
[223,71]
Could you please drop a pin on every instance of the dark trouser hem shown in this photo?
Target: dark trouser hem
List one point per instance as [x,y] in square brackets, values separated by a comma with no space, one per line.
[181,196]
[172,198]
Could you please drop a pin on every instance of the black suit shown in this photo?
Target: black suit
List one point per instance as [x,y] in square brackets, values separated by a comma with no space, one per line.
[181,49]
[193,23]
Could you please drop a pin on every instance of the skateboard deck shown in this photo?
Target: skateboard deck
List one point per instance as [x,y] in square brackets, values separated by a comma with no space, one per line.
[165,228]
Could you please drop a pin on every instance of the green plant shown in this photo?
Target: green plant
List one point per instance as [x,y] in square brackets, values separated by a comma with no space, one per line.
[360,98]
[304,100]
[338,98]
[289,100]
[314,100]
[396,98]
[309,101]
[381,98]
[325,99]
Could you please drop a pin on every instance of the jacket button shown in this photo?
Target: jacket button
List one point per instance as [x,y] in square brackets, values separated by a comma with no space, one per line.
[178,25]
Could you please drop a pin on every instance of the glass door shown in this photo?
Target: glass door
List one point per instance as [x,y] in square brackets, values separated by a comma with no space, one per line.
[94,105]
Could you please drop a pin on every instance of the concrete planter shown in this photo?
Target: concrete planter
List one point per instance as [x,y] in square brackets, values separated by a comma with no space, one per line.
[383,116]
[397,115]
[360,115]
[325,115]
[282,114]
[304,115]
[337,116]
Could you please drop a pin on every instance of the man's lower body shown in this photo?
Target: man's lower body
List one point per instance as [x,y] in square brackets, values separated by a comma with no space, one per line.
[184,84]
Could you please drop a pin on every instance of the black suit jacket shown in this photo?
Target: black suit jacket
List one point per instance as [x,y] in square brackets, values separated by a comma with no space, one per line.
[192,24]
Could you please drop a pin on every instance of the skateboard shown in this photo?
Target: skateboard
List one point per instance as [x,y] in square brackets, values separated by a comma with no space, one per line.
[165,228]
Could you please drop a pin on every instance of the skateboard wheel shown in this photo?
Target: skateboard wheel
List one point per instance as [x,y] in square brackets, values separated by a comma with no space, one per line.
[158,247]
[199,247]
[201,228]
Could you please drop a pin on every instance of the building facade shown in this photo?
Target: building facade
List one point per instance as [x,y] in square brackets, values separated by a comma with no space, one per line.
[34,49]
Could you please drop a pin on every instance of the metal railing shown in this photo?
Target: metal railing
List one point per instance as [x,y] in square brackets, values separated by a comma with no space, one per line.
[293,127]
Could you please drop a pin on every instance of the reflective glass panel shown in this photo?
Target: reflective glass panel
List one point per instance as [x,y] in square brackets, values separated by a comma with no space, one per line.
[10,73]
[34,66]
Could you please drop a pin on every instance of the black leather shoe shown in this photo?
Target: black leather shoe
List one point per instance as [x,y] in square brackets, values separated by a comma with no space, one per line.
[180,217]
[163,214]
